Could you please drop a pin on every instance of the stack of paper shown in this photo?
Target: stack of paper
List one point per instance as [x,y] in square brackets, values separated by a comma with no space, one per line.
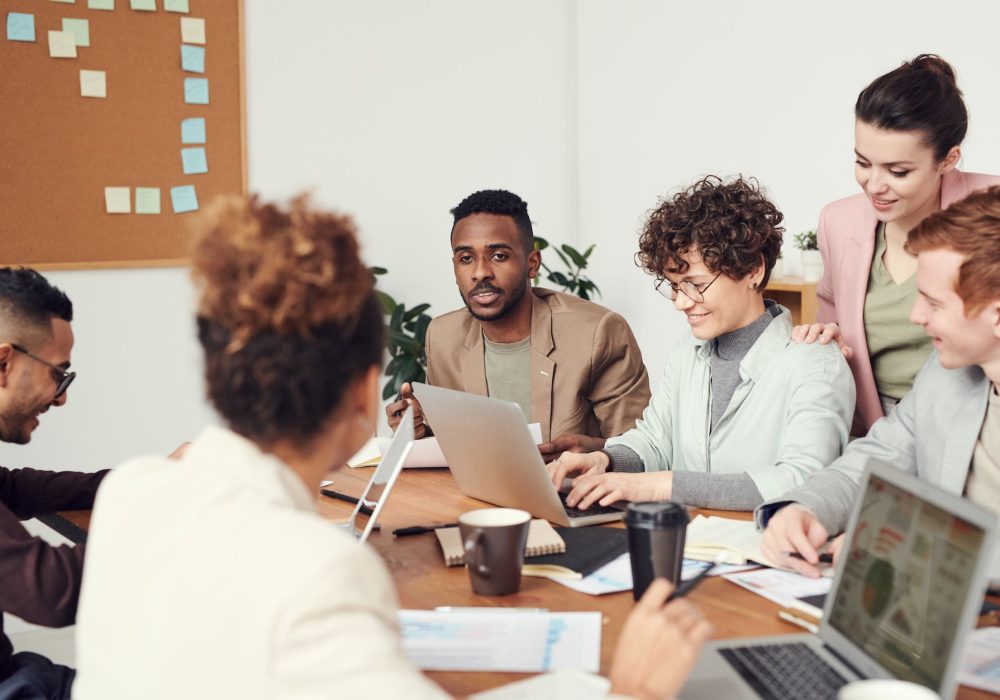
[501,639]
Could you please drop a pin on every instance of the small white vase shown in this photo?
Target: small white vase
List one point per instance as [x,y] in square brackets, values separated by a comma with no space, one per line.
[812,265]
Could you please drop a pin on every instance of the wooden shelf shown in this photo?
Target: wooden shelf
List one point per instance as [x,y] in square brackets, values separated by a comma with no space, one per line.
[797,295]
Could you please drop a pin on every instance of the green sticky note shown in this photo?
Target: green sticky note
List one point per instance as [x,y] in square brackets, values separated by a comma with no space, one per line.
[20,26]
[144,5]
[79,28]
[100,4]
[147,200]
[176,6]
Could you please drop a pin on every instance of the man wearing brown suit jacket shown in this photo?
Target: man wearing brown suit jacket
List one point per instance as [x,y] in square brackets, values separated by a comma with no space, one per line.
[572,365]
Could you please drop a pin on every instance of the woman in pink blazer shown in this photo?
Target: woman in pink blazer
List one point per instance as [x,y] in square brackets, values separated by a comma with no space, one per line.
[910,124]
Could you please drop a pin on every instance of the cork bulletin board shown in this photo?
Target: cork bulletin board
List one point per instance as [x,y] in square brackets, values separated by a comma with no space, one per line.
[113,181]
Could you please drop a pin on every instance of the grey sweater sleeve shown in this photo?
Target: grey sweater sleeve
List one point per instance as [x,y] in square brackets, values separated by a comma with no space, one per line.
[624,459]
[722,491]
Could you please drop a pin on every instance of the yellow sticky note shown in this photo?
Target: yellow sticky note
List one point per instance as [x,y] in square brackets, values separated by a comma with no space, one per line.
[118,200]
[193,30]
[93,83]
[62,44]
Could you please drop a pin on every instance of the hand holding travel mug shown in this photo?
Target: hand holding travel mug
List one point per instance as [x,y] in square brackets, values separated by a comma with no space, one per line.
[494,540]
[656,533]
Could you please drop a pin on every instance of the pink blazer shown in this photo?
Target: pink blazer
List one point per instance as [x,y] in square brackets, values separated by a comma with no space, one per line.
[846,235]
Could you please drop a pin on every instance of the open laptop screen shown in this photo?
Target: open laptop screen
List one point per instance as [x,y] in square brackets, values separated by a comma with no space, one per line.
[906,581]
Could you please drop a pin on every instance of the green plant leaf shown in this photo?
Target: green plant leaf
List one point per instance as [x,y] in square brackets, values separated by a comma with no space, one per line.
[396,319]
[564,259]
[415,311]
[559,278]
[574,255]
[388,392]
[405,343]
[387,302]
[377,270]
[541,243]
[586,255]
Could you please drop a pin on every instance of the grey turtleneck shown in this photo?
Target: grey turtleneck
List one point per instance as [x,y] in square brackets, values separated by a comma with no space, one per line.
[728,351]
[704,489]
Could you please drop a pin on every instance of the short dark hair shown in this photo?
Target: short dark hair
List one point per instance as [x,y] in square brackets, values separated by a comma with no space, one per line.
[501,203]
[732,225]
[287,315]
[28,298]
[921,95]
[970,226]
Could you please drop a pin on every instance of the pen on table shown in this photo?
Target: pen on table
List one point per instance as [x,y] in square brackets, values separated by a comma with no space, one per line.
[418,529]
[687,586]
[344,497]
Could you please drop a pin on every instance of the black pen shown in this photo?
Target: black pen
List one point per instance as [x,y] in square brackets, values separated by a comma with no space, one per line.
[824,558]
[418,529]
[399,396]
[344,497]
[689,585]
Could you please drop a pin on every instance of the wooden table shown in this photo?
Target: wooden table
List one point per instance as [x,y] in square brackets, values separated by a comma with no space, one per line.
[429,496]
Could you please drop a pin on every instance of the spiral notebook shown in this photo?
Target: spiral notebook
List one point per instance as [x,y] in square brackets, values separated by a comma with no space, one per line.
[542,539]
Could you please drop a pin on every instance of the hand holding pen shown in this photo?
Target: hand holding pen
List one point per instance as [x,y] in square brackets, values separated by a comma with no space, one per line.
[394,411]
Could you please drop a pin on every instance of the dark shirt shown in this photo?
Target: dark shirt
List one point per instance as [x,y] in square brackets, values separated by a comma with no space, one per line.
[39,583]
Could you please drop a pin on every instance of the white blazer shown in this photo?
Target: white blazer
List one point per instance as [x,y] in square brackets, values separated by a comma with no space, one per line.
[214,577]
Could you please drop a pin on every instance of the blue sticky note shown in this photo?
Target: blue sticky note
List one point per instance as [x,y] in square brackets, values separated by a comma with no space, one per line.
[183,199]
[194,161]
[20,26]
[193,130]
[193,58]
[196,91]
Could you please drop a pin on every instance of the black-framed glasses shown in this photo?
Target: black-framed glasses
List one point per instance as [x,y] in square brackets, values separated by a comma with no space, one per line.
[694,292]
[62,378]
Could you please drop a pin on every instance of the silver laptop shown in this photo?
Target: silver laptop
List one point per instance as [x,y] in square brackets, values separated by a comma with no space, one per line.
[904,597]
[376,493]
[492,456]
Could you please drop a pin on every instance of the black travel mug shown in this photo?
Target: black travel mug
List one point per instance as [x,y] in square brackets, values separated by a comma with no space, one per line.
[656,533]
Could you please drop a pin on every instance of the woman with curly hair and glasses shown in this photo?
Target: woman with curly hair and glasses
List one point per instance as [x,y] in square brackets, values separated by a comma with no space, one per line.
[742,414]
[214,577]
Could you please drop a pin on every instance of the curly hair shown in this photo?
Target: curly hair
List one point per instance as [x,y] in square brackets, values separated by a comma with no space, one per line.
[731,225]
[287,314]
[501,203]
[970,226]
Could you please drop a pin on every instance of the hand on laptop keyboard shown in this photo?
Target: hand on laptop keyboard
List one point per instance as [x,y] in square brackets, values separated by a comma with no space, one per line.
[605,489]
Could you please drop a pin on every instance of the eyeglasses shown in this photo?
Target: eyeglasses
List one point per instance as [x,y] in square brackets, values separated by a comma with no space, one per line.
[694,292]
[61,377]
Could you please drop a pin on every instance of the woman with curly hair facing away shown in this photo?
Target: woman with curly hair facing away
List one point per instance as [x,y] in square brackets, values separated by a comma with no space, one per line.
[908,132]
[214,577]
[741,414]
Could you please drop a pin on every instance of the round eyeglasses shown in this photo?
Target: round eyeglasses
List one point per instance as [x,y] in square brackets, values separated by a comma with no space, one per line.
[694,292]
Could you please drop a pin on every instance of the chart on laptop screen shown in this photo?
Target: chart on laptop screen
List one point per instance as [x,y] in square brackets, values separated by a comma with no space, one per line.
[905,582]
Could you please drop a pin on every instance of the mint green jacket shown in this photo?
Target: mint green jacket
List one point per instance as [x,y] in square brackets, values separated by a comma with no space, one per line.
[789,417]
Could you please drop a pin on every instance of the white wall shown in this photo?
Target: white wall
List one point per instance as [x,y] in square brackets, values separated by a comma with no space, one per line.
[394,111]
[670,91]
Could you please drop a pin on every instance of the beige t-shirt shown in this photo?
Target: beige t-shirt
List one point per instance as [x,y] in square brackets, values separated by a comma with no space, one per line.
[508,372]
[898,348]
[983,484]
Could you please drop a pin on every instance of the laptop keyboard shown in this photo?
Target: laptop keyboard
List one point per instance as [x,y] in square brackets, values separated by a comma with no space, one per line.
[782,671]
[595,509]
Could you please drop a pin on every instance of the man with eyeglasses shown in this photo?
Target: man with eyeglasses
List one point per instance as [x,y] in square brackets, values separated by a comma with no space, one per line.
[571,365]
[39,583]
[741,414]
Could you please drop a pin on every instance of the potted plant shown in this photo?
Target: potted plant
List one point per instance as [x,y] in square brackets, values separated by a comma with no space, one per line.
[812,263]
